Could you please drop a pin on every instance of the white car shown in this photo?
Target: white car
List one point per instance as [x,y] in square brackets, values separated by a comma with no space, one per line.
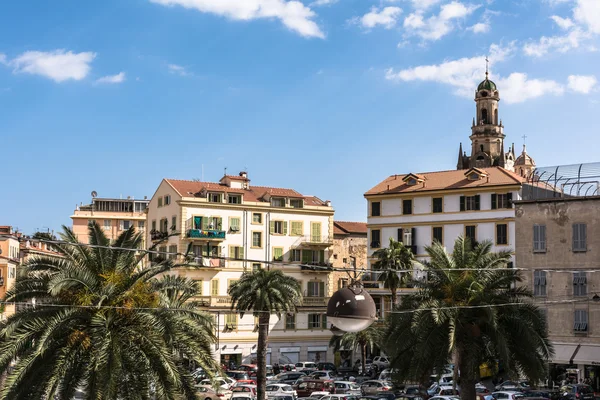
[280,388]
[318,395]
[307,364]
[382,362]
[340,397]
[345,387]
[436,388]
[323,375]
[242,396]
[444,398]
[223,383]
[507,395]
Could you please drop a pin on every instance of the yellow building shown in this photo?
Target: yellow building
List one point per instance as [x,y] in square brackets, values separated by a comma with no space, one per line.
[113,215]
[9,261]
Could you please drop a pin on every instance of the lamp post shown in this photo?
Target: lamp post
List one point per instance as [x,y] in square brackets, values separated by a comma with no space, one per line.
[351,309]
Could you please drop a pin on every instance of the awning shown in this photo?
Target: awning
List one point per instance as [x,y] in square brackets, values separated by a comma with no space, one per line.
[587,354]
[563,353]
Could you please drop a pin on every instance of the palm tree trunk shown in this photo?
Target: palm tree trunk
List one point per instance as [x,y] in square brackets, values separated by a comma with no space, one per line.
[394,297]
[468,378]
[363,351]
[261,355]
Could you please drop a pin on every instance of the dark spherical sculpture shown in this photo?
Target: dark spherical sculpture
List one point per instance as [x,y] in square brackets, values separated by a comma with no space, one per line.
[351,309]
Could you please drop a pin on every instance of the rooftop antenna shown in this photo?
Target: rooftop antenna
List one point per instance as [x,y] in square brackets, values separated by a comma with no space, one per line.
[487,63]
[202,172]
[225,170]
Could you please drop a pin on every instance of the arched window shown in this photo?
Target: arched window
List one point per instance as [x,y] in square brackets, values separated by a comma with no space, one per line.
[496,117]
[484,116]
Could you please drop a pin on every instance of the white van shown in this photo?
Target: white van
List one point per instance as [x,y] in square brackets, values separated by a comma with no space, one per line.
[303,365]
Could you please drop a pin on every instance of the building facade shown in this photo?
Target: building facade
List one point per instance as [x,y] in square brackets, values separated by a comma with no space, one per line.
[349,251]
[113,215]
[9,262]
[557,241]
[232,227]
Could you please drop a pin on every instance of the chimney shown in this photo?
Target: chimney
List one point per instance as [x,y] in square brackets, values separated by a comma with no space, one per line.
[328,203]
[244,174]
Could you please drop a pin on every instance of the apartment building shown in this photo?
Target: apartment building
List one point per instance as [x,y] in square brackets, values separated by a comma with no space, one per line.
[233,227]
[349,251]
[9,262]
[557,241]
[113,215]
[420,208]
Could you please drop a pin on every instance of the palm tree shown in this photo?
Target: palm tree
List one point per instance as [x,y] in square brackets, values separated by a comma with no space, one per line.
[102,324]
[469,309]
[367,338]
[264,292]
[394,260]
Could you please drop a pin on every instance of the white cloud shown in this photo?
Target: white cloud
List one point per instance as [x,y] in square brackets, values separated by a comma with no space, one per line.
[587,12]
[517,88]
[293,14]
[178,70]
[424,4]
[118,78]
[563,23]
[319,3]
[480,27]
[554,3]
[462,74]
[562,44]
[437,26]
[3,58]
[58,65]
[386,17]
[582,83]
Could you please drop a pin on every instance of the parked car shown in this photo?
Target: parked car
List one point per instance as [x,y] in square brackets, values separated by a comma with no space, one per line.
[445,398]
[345,387]
[288,377]
[327,375]
[280,388]
[209,393]
[318,395]
[513,386]
[309,386]
[374,387]
[284,396]
[577,392]
[481,388]
[436,388]
[248,389]
[380,396]
[382,362]
[326,366]
[537,394]
[222,382]
[239,376]
[242,396]
[507,395]
[415,390]
[248,368]
[339,397]
[404,396]
[300,366]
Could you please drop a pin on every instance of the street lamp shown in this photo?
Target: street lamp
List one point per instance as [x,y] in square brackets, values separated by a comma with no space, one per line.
[351,309]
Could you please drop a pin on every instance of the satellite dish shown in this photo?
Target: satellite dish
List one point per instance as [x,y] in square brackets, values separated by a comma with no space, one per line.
[94,193]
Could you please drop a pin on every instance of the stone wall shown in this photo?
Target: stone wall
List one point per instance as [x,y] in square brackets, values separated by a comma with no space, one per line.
[344,248]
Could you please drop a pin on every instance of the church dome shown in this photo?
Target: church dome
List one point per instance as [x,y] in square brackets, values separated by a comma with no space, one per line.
[524,158]
[486,85]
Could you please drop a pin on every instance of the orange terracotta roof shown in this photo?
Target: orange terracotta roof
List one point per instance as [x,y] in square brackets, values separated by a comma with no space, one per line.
[235,178]
[345,227]
[446,180]
[254,193]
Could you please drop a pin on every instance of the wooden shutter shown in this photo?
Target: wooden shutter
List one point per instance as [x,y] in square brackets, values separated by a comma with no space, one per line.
[219,224]
[321,289]
[324,321]
[509,200]
[285,227]
[536,238]
[204,223]
[272,227]
[232,252]
[400,238]
[494,201]
[214,287]
[477,198]
[306,256]
[322,256]
[413,234]
[462,203]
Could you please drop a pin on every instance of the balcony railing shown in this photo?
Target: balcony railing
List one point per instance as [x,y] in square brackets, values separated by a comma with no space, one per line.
[314,240]
[213,301]
[317,267]
[314,301]
[205,234]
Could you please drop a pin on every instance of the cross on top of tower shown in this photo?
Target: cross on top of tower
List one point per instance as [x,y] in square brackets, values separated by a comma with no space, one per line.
[487,63]
[524,138]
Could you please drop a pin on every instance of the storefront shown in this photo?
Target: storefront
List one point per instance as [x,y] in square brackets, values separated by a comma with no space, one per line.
[290,353]
[317,353]
[587,358]
[574,363]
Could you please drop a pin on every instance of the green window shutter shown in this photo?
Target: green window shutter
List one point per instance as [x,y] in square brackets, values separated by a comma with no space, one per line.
[278,254]
[509,202]
[321,289]
[219,224]
[231,252]
[462,203]
[204,224]
[494,201]
[285,227]
[199,282]
[306,256]
[477,197]
[241,252]
[322,256]
[197,222]
[214,287]
[400,237]
[324,321]
[272,227]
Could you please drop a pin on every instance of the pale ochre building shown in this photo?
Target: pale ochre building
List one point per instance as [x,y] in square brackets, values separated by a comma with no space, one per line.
[232,227]
[9,262]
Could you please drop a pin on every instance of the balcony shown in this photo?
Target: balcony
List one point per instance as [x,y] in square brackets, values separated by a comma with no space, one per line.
[213,301]
[158,235]
[205,234]
[314,241]
[316,267]
[314,301]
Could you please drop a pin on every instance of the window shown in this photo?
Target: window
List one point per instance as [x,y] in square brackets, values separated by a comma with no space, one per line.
[124,225]
[579,284]
[172,252]
[317,321]
[539,283]
[107,224]
[315,289]
[501,200]
[257,218]
[539,238]
[234,224]
[231,321]
[469,203]
[296,203]
[163,251]
[153,225]
[160,202]
[406,207]
[167,200]
[295,255]
[214,287]
[581,321]
[438,204]
[257,239]
[375,238]
[438,234]
[375,209]
[297,228]
[164,225]
[141,225]
[91,222]
[290,321]
[255,267]
[278,202]
[471,234]
[342,283]
[173,222]
[215,223]
[279,227]
[215,197]
[236,252]
[579,237]
[313,256]
[277,253]
[501,234]
[234,199]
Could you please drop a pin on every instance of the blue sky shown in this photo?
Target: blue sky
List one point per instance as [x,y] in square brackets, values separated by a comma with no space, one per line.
[326,97]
